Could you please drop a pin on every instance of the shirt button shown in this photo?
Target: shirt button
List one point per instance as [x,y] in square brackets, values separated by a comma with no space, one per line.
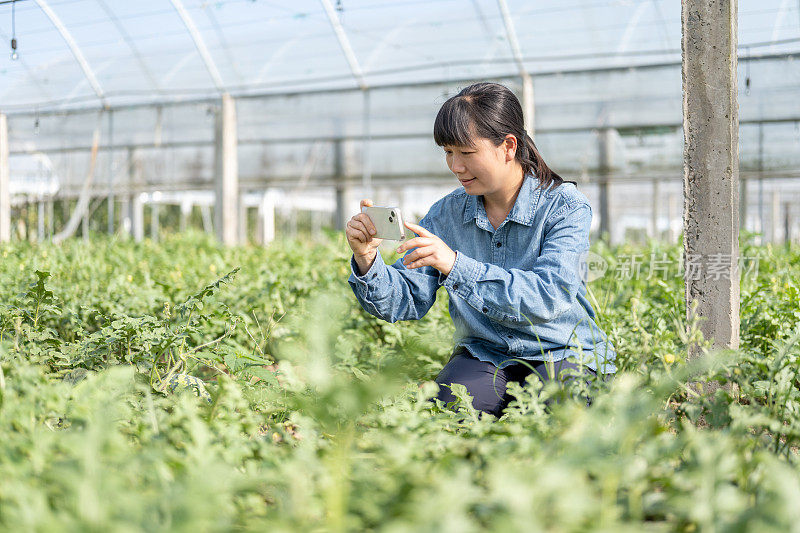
[455,286]
[499,244]
[485,309]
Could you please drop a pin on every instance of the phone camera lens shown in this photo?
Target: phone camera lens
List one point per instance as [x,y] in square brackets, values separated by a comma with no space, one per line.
[392,214]
[391,219]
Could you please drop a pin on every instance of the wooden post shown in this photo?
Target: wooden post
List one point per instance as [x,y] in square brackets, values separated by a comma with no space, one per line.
[711,167]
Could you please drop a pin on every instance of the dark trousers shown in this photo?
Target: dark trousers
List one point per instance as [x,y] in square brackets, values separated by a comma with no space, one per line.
[486,383]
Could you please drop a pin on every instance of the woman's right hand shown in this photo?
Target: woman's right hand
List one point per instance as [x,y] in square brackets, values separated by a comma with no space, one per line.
[360,233]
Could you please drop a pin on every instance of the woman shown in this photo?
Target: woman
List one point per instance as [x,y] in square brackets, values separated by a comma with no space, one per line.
[507,247]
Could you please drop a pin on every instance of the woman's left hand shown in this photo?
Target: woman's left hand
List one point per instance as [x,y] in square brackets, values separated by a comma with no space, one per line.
[430,251]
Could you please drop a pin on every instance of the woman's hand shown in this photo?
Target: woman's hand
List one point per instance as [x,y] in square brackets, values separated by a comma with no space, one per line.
[430,251]
[360,231]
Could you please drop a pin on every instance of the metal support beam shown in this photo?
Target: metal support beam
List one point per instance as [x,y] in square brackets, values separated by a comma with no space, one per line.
[344,43]
[75,49]
[200,44]
[528,109]
[5,180]
[711,168]
[226,174]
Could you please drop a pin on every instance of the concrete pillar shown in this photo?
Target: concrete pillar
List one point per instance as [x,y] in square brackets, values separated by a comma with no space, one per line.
[605,166]
[342,187]
[711,167]
[5,182]
[226,172]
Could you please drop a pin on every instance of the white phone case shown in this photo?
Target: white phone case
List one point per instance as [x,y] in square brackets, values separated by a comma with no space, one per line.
[388,222]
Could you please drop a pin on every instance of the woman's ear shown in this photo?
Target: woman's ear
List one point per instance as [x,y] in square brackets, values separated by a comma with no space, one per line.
[510,147]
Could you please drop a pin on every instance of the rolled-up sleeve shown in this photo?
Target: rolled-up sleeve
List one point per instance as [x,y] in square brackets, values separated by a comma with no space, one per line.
[394,292]
[540,294]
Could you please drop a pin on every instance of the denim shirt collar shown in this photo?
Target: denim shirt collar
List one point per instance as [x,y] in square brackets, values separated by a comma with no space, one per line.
[522,212]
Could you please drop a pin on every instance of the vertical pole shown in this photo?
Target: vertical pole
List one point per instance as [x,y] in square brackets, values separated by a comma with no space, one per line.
[342,189]
[5,182]
[761,222]
[40,215]
[672,210]
[227,172]
[654,210]
[85,222]
[267,212]
[110,172]
[366,163]
[775,211]
[743,199]
[787,223]
[137,203]
[154,215]
[606,154]
[711,167]
[528,108]
[186,210]
[242,222]
[51,223]
[205,212]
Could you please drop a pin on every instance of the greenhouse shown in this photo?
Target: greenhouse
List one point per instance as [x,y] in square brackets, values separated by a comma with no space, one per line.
[329,101]
[194,334]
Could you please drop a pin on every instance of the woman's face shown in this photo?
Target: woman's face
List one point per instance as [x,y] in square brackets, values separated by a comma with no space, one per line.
[484,168]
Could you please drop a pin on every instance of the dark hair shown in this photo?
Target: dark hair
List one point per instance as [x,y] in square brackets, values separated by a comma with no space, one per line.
[492,111]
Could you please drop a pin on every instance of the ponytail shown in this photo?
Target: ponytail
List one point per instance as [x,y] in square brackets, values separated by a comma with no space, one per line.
[532,163]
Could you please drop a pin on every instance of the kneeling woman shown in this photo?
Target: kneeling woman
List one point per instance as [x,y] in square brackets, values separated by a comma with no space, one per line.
[507,246]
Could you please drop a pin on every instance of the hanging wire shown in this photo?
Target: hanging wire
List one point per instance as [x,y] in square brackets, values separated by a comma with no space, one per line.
[747,74]
[14,54]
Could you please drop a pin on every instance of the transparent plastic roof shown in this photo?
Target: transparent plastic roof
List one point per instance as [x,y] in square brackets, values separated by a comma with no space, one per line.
[159,51]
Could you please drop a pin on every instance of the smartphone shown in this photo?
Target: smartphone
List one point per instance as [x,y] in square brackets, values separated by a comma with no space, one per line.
[388,222]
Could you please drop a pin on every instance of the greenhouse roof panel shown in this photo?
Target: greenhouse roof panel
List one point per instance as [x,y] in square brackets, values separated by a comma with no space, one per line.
[143,52]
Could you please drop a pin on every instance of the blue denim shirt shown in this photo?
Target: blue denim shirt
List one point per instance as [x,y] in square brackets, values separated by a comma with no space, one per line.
[515,291]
